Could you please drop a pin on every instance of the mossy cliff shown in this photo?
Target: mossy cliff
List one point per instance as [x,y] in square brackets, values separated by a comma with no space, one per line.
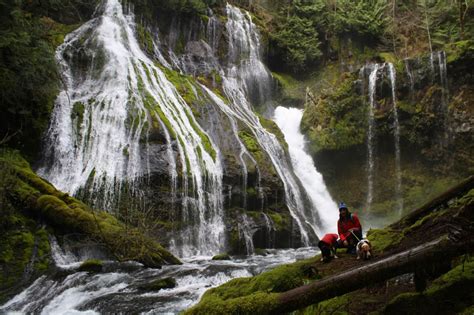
[31,31]
[435,129]
[32,209]
[436,218]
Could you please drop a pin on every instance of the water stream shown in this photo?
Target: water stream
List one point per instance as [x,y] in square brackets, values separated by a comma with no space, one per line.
[118,288]
[324,209]
[371,135]
[398,172]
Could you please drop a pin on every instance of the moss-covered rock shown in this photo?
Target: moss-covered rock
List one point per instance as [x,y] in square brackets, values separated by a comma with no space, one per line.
[247,295]
[91,265]
[158,284]
[38,198]
[223,256]
[337,119]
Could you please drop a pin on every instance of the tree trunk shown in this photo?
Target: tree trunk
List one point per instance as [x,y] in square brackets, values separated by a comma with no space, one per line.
[439,201]
[405,262]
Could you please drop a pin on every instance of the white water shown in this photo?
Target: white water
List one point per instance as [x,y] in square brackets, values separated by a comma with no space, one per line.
[245,75]
[371,136]
[130,92]
[116,291]
[398,173]
[323,207]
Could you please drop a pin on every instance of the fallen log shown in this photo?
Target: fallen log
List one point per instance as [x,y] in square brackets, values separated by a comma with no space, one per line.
[439,250]
[439,201]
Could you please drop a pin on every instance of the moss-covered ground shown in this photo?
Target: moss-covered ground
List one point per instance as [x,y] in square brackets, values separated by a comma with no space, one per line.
[28,203]
[259,293]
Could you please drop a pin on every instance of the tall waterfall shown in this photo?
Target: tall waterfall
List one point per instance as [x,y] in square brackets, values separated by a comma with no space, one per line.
[289,120]
[371,135]
[244,78]
[119,96]
[398,173]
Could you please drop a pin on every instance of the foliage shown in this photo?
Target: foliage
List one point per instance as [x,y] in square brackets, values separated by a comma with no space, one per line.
[305,25]
[337,119]
[298,38]
[182,7]
[28,77]
[363,18]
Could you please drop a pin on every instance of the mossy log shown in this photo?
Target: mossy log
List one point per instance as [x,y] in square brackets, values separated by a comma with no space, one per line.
[407,261]
[38,198]
[439,201]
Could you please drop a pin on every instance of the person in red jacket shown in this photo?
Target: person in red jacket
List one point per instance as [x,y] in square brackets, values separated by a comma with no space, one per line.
[349,229]
[327,245]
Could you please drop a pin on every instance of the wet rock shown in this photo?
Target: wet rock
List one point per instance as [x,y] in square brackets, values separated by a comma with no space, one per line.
[223,256]
[156,285]
[91,265]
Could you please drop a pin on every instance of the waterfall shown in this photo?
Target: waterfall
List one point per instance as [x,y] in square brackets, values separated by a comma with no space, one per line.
[410,78]
[122,93]
[371,135]
[245,231]
[398,187]
[270,226]
[323,207]
[244,79]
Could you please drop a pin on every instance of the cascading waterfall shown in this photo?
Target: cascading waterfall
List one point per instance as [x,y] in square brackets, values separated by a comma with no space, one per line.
[244,76]
[289,120]
[410,77]
[270,226]
[443,74]
[371,135]
[247,233]
[398,187]
[128,93]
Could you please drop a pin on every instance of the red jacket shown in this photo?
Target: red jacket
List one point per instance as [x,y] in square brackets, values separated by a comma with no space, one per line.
[343,226]
[330,239]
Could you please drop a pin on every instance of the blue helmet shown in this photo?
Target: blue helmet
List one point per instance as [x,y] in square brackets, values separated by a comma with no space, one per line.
[342,205]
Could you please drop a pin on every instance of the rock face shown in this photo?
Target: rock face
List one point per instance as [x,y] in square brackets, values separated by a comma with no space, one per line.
[433,101]
[165,135]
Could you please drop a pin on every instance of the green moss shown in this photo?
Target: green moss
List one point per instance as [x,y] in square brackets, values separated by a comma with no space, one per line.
[337,306]
[145,39]
[451,292]
[384,239]
[77,114]
[250,142]
[280,220]
[36,198]
[91,265]
[272,127]
[224,256]
[337,119]
[280,279]
[259,303]
[252,294]
[458,49]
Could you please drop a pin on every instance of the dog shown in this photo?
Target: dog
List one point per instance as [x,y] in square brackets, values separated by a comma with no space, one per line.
[364,249]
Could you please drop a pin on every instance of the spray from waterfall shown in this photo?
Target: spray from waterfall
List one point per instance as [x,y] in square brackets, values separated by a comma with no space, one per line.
[398,174]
